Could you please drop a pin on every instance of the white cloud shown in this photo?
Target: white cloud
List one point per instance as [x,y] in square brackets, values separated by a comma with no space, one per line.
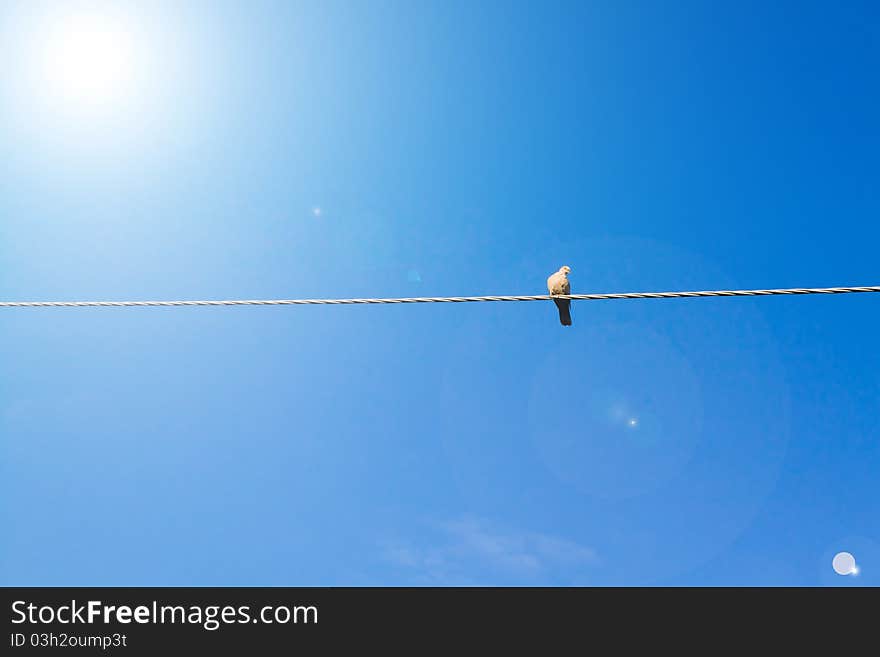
[470,551]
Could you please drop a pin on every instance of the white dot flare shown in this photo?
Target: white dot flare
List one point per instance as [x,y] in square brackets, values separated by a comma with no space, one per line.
[844,564]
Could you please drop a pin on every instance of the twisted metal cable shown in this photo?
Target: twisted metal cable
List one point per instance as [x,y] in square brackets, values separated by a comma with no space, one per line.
[531,297]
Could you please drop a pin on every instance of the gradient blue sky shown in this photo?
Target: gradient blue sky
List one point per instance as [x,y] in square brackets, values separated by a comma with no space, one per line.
[453,148]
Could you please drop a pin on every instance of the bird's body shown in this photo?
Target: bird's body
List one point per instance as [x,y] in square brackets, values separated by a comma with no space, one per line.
[558,283]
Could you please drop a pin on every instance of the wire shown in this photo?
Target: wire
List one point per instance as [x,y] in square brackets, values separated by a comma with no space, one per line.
[535,297]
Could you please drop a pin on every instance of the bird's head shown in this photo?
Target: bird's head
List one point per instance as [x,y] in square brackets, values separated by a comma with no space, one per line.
[565,269]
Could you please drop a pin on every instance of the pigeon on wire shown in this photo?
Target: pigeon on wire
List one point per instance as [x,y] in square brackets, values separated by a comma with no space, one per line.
[558,284]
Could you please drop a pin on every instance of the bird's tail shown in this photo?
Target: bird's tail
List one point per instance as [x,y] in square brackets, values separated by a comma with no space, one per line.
[564,306]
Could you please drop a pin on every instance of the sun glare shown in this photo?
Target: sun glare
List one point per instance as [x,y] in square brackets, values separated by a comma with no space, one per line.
[103,77]
[89,60]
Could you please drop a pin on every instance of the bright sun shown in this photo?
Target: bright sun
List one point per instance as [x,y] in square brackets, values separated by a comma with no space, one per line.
[89,60]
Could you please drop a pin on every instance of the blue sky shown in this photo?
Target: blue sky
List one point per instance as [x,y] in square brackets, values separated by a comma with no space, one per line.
[336,149]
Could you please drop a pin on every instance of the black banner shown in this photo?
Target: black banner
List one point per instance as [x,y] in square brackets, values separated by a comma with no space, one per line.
[195,620]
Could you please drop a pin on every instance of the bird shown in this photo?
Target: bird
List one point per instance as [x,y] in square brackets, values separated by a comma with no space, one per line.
[558,284]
